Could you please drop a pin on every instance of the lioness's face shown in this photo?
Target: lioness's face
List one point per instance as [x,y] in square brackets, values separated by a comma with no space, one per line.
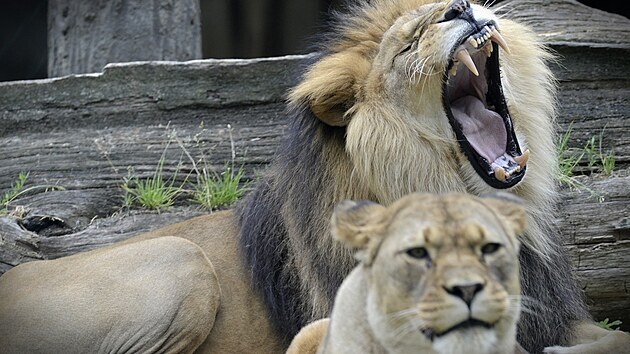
[444,274]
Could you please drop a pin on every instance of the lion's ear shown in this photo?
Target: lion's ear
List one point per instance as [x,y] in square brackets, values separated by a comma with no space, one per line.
[356,223]
[330,86]
[511,208]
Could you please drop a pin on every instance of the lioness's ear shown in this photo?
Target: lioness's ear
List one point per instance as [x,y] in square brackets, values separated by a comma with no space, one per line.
[355,223]
[330,86]
[510,207]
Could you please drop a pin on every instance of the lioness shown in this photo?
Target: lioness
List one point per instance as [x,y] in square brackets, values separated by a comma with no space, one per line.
[393,106]
[438,274]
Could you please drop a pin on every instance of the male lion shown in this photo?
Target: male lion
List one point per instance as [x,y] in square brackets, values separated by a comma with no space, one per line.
[438,274]
[393,106]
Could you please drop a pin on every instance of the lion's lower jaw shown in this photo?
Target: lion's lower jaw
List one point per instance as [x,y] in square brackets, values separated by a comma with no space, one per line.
[481,343]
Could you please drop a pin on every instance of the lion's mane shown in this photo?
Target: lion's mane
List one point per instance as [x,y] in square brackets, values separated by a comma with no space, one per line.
[284,222]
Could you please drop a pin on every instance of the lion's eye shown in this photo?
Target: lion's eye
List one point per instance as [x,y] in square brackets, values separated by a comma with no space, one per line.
[490,248]
[418,252]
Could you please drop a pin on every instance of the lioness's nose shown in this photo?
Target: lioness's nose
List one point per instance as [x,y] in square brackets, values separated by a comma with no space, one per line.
[458,8]
[465,292]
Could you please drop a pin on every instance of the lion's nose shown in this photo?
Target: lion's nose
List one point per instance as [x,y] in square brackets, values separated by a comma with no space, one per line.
[465,292]
[458,8]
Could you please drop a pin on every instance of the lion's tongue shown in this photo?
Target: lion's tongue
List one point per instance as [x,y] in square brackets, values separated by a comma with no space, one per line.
[484,129]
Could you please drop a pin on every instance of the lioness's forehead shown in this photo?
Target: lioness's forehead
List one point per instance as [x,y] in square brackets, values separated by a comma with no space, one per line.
[442,221]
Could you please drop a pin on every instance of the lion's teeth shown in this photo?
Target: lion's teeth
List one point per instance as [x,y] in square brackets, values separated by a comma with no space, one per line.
[465,58]
[472,42]
[522,160]
[499,173]
[496,37]
[488,49]
[453,71]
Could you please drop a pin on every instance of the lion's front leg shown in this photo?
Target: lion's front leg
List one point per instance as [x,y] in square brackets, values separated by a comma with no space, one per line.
[589,338]
[158,295]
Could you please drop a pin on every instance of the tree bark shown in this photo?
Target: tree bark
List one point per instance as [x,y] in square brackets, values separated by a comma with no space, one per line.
[83,36]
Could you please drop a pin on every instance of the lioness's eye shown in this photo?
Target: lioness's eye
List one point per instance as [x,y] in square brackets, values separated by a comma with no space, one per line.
[418,252]
[490,248]
[406,48]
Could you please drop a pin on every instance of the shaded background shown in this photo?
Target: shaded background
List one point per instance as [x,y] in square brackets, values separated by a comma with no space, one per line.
[230,29]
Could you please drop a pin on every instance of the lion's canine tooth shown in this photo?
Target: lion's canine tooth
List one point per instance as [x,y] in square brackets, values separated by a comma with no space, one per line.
[465,58]
[496,37]
[522,160]
[499,173]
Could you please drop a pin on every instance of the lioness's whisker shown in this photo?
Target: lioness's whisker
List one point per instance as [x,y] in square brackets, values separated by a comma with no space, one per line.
[403,313]
[410,326]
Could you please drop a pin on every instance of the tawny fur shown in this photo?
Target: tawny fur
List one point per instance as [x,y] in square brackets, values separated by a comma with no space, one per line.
[366,129]
[390,298]
[275,264]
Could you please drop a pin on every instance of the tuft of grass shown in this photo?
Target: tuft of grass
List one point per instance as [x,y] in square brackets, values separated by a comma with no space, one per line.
[154,193]
[567,158]
[211,190]
[608,163]
[215,191]
[17,190]
[14,191]
[596,158]
[611,326]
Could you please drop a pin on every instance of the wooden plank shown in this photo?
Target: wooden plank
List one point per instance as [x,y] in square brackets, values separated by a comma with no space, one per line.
[83,36]
[596,230]
[567,22]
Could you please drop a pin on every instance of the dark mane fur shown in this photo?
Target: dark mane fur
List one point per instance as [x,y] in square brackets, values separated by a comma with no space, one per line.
[295,181]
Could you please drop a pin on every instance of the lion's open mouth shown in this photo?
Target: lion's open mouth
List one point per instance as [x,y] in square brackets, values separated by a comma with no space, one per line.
[474,103]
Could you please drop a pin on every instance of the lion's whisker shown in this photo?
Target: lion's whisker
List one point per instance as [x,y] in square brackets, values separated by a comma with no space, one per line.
[408,68]
[488,3]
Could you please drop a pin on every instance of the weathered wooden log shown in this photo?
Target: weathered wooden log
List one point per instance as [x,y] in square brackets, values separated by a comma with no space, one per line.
[568,22]
[83,132]
[83,36]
